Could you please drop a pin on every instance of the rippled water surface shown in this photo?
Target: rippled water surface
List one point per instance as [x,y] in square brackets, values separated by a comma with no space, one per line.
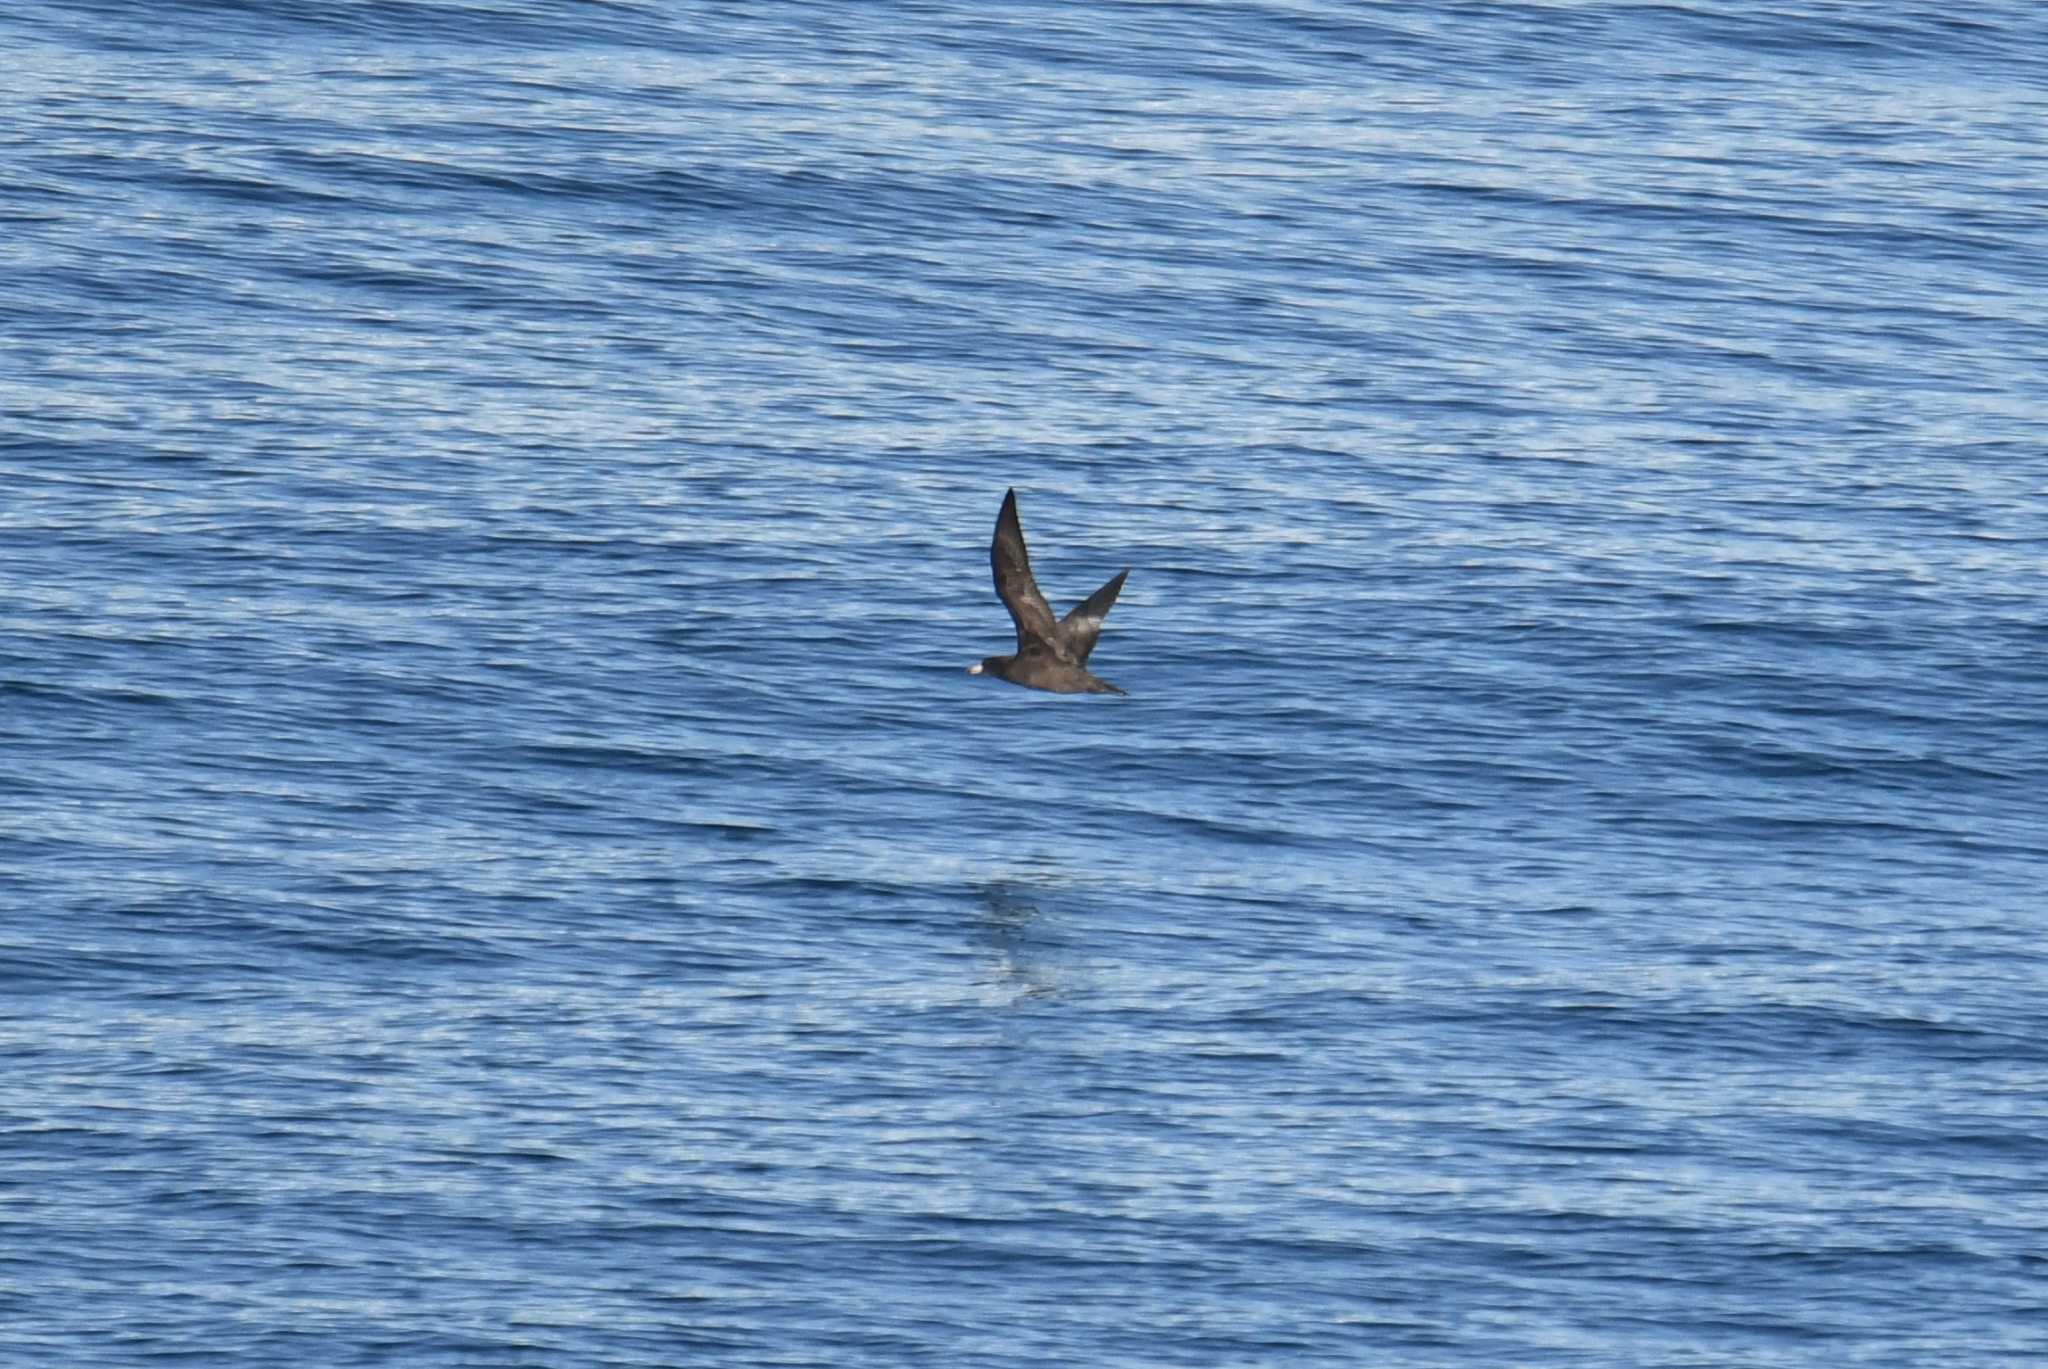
[500,860]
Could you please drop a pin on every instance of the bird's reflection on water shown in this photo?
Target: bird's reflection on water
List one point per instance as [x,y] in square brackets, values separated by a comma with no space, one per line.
[1018,922]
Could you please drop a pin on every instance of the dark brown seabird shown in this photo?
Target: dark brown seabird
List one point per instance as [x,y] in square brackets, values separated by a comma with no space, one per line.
[1049,655]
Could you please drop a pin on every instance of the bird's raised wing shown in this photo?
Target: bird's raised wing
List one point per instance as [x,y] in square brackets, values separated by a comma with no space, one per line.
[1014,585]
[1080,628]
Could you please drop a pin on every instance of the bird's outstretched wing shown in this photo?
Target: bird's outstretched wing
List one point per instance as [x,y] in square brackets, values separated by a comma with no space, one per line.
[1014,585]
[1080,628]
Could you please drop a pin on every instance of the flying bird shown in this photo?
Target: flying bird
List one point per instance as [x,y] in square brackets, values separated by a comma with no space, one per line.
[1049,655]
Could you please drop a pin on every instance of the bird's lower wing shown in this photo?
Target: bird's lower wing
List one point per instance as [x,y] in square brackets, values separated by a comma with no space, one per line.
[1080,628]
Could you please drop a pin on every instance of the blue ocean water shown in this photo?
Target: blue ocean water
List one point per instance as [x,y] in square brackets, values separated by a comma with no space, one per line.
[501,863]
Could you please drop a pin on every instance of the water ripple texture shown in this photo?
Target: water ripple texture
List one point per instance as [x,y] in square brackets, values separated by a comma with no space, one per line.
[501,862]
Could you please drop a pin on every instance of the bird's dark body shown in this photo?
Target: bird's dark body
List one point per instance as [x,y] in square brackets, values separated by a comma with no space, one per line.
[1038,669]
